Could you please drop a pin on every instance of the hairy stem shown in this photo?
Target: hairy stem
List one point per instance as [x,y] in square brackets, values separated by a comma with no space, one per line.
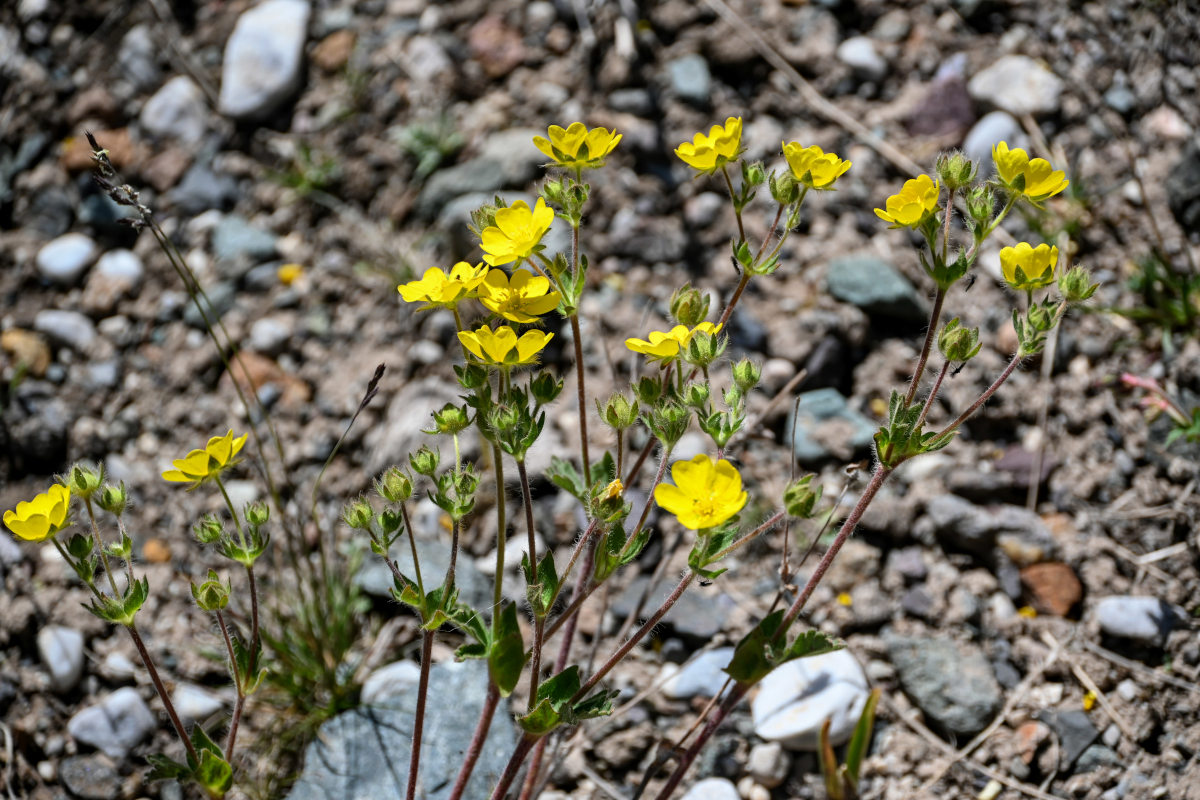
[539,627]
[240,703]
[501,527]
[414,759]
[737,212]
[983,398]
[513,767]
[736,693]
[934,315]
[477,740]
[933,393]
[148,663]
[581,397]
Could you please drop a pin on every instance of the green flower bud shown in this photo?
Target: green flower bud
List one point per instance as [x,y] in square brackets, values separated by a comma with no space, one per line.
[617,412]
[669,422]
[957,343]
[450,420]
[955,170]
[555,192]
[358,514]
[485,216]
[1042,317]
[545,388]
[424,461]
[394,486]
[648,390]
[689,306]
[113,499]
[799,498]
[208,529]
[471,376]
[695,395]
[704,348]
[1076,285]
[257,514]
[211,594]
[746,375]
[981,203]
[84,481]
[753,173]
[785,189]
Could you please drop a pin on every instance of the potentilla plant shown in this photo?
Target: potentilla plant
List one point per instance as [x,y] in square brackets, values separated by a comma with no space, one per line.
[500,308]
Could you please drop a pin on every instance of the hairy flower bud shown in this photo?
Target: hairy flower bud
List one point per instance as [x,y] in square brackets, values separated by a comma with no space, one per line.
[1076,285]
[358,514]
[618,412]
[451,419]
[746,375]
[704,348]
[981,202]
[257,514]
[424,461]
[669,422]
[696,395]
[785,189]
[799,498]
[394,485]
[545,388]
[84,480]
[211,594]
[113,499]
[689,306]
[955,170]
[648,390]
[208,529]
[957,343]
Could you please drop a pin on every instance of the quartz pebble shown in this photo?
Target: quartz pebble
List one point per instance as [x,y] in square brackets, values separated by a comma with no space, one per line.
[61,651]
[794,701]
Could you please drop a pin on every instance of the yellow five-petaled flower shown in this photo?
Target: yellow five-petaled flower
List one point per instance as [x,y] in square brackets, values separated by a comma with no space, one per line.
[437,289]
[813,166]
[1039,180]
[42,517]
[916,200]
[1026,267]
[665,345]
[705,493]
[523,299]
[517,232]
[502,347]
[199,466]
[707,154]
[576,147]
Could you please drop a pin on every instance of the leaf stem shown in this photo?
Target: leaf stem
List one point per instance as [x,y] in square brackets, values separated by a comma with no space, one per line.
[414,758]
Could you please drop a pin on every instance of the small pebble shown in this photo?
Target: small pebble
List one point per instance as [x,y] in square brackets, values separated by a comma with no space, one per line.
[64,260]
[61,651]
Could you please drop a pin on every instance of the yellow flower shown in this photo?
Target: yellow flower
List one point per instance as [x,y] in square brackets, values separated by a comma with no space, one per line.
[1041,180]
[1026,267]
[813,166]
[42,517]
[576,147]
[517,232]
[289,273]
[665,345]
[707,154]
[200,465]
[917,199]
[436,289]
[522,299]
[502,347]
[705,493]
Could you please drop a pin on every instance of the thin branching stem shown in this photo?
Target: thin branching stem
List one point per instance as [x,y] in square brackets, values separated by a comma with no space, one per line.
[934,315]
[238,685]
[478,738]
[501,526]
[414,759]
[933,393]
[737,212]
[539,626]
[148,663]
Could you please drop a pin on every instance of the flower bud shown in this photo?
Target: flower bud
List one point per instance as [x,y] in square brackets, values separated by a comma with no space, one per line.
[617,412]
[981,202]
[957,343]
[696,395]
[208,529]
[704,348]
[785,189]
[1076,285]
[485,216]
[84,481]
[648,390]
[669,422]
[424,461]
[257,514]
[799,498]
[753,173]
[394,486]
[450,420]
[545,388]
[689,306]
[358,514]
[746,375]
[113,499]
[955,170]
[211,594]
[555,192]
[471,376]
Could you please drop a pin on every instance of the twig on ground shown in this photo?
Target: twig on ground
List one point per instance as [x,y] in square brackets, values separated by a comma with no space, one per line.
[1091,686]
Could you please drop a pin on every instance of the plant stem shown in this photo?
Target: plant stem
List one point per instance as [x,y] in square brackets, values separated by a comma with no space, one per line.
[412,543]
[771,522]
[501,526]
[632,641]
[414,759]
[513,767]
[934,315]
[539,627]
[255,643]
[933,393]
[583,540]
[737,212]
[946,229]
[112,581]
[771,232]
[983,398]
[581,397]
[736,693]
[477,740]
[240,703]
[737,295]
[148,663]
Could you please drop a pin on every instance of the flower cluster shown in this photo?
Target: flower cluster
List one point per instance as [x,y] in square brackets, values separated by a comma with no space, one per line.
[437,289]
[667,345]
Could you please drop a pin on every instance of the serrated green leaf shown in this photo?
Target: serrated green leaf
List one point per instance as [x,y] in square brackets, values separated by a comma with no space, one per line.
[599,704]
[214,773]
[166,769]
[811,643]
[563,474]
[540,720]
[471,650]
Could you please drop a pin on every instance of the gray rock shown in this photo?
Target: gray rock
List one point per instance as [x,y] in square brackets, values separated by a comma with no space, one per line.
[66,328]
[507,160]
[874,286]
[102,213]
[116,725]
[859,53]
[1144,619]
[363,754]
[269,335]
[61,651]
[389,682]
[51,210]
[991,129]
[90,777]
[700,614]
[712,789]
[1095,757]
[195,704]
[137,58]
[768,764]
[263,63]
[222,297]
[648,239]
[236,239]
[1076,733]
[122,266]
[824,420]
[1017,84]
[202,189]
[1183,188]
[703,676]
[1120,99]
[11,553]
[104,374]
[690,79]
[64,260]
[375,578]
[794,701]
[951,683]
[632,101]
[1020,533]
[177,110]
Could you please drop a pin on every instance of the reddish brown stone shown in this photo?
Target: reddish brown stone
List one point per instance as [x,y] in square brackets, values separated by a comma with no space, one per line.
[497,47]
[334,51]
[1053,587]
[77,153]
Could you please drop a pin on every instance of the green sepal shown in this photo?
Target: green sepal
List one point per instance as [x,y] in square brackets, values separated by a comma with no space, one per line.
[79,546]
[615,550]
[121,549]
[541,586]
[710,543]
[759,651]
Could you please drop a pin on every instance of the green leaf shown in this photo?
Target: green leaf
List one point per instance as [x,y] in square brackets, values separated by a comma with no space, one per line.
[811,643]
[560,688]
[471,650]
[506,658]
[861,739]
[562,473]
[599,704]
[540,720]
[166,769]
[214,773]
[759,652]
